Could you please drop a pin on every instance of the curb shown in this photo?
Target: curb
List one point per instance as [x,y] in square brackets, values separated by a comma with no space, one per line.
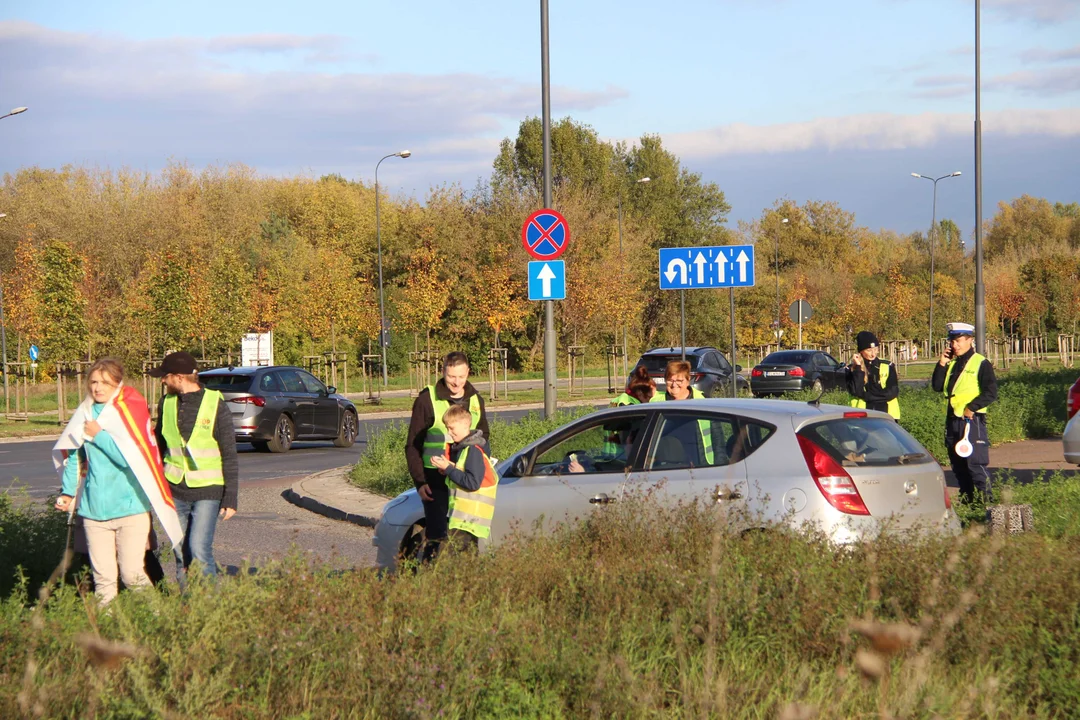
[297,495]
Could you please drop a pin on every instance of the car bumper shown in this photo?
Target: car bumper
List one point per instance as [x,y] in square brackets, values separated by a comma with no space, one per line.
[1071,440]
[253,428]
[779,385]
[398,515]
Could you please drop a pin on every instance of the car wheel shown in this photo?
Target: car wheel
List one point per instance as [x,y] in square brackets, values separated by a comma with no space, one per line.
[412,545]
[817,386]
[260,445]
[284,432]
[348,430]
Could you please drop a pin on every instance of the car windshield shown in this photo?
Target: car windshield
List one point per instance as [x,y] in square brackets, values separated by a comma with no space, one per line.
[866,441]
[786,358]
[226,383]
[657,363]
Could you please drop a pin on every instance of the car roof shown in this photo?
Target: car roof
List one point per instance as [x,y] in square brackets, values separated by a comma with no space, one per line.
[762,409]
[246,369]
[670,350]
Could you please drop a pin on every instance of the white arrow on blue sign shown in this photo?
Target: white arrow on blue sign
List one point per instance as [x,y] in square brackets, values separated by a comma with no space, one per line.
[721,266]
[33,353]
[547,280]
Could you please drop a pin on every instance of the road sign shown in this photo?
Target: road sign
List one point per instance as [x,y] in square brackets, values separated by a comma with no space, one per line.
[800,311]
[694,268]
[545,234]
[547,280]
[34,352]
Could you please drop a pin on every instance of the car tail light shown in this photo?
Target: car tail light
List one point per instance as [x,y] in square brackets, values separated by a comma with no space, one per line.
[756,372]
[1073,401]
[797,372]
[697,377]
[832,480]
[249,400]
[855,414]
[948,500]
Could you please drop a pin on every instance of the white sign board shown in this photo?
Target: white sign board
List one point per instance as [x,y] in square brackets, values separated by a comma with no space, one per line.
[257,349]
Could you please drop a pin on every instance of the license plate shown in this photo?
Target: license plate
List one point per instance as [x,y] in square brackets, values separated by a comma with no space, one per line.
[775,373]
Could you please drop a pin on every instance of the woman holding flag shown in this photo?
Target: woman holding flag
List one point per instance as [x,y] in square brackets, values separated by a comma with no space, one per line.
[112,475]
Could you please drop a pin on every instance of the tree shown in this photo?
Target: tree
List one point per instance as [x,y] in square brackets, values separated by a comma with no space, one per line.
[23,294]
[426,296]
[62,302]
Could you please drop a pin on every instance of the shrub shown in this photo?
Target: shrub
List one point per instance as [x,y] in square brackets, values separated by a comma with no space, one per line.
[32,539]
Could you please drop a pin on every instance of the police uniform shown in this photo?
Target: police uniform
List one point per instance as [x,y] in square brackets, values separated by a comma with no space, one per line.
[969,383]
[877,388]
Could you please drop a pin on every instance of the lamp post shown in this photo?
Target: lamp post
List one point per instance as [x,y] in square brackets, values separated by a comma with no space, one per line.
[383,335]
[933,233]
[776,245]
[14,111]
[640,181]
[3,333]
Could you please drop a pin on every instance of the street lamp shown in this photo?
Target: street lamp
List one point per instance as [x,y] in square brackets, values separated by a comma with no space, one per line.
[933,233]
[777,248]
[14,111]
[640,181]
[3,331]
[383,334]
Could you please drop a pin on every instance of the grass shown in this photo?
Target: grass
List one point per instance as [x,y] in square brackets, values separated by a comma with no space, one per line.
[643,611]
[44,424]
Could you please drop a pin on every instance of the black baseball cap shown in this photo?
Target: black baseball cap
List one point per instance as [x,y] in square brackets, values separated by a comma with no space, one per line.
[177,363]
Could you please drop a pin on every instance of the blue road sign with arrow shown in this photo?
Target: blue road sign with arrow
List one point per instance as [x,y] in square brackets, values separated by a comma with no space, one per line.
[547,280]
[33,353]
[693,268]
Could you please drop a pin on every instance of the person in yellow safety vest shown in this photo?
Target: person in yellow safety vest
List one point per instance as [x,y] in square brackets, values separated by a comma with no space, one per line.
[677,382]
[198,447]
[474,481]
[639,389]
[968,381]
[872,380]
[428,438]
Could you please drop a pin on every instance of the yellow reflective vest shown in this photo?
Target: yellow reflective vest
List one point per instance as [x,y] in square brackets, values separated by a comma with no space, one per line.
[196,461]
[437,439]
[967,386]
[704,426]
[893,406]
[472,511]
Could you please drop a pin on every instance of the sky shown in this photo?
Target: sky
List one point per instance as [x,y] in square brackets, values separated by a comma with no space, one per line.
[829,100]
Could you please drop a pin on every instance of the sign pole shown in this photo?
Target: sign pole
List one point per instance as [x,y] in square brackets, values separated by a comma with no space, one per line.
[734,375]
[550,370]
[800,322]
[682,322]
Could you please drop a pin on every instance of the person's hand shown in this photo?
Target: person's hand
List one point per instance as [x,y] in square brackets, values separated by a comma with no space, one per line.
[440,462]
[63,503]
[91,428]
[424,491]
[857,361]
[226,513]
[946,356]
[969,413]
[576,467]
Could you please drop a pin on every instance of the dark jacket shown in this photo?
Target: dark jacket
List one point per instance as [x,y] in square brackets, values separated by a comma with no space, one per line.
[986,377]
[475,462]
[867,386]
[423,418]
[187,410]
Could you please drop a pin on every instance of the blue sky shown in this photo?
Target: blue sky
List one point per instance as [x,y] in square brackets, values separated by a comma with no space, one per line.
[835,99]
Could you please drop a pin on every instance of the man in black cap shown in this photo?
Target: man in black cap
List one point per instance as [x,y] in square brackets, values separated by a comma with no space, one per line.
[871,380]
[198,447]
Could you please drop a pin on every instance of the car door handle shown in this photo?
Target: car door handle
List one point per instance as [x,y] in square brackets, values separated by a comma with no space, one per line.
[601,499]
[721,495]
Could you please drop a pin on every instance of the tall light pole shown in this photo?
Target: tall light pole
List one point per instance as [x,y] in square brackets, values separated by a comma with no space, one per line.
[550,368]
[3,329]
[980,291]
[777,248]
[14,111]
[383,334]
[933,234]
[636,182]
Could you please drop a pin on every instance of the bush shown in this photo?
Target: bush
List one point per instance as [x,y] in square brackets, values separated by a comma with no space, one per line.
[643,611]
[31,542]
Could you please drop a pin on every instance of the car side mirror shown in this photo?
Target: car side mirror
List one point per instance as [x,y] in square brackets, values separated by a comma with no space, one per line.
[738,368]
[520,466]
[331,390]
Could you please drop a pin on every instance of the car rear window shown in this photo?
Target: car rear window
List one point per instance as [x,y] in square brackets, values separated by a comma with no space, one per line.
[786,358]
[658,363]
[226,383]
[866,441]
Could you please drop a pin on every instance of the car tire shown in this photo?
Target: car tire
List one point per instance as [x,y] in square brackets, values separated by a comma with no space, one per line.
[348,430]
[412,545]
[260,445]
[284,433]
[817,386]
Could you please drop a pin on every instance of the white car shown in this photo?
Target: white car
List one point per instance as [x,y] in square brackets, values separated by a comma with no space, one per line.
[849,472]
[1070,439]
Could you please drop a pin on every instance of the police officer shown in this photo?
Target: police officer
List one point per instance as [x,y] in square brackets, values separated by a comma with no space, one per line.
[968,381]
[871,380]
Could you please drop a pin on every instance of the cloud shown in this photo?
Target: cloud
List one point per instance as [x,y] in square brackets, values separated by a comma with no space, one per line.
[943,80]
[1043,55]
[1055,81]
[1039,11]
[868,132]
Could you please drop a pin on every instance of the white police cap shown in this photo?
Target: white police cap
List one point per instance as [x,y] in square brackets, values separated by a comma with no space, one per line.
[959,328]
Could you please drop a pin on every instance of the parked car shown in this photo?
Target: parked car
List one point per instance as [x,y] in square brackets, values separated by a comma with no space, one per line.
[1071,438]
[710,371]
[272,407]
[793,370]
[852,473]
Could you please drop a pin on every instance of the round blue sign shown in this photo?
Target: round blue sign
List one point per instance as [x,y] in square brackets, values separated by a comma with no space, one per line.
[33,353]
[545,234]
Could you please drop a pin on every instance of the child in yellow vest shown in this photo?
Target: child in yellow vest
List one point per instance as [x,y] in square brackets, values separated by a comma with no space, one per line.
[473,480]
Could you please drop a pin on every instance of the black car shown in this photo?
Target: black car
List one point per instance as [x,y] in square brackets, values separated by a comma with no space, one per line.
[793,370]
[274,406]
[710,371]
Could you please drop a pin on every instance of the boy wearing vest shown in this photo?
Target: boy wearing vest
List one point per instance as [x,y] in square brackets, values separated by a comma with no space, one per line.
[473,480]
[871,380]
[968,381]
[428,438]
[198,448]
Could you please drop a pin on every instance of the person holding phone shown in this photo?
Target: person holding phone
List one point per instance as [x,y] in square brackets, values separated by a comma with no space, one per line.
[872,380]
[968,381]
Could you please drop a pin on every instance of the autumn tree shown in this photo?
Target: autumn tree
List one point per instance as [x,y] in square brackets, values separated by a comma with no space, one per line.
[425,297]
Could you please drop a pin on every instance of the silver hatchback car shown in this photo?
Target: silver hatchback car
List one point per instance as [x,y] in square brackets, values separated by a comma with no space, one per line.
[850,473]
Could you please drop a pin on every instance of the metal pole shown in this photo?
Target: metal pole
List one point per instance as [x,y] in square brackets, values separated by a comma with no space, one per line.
[980,296]
[378,244]
[734,375]
[550,377]
[933,235]
[3,345]
[622,259]
[800,322]
[682,322]
[777,248]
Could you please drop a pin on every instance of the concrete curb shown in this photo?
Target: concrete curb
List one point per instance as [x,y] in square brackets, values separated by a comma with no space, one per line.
[330,494]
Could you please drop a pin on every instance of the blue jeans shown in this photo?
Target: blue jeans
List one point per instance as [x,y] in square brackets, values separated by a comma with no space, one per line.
[199,521]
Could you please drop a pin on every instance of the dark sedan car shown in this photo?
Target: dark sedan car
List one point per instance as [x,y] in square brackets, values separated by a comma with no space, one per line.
[710,371]
[274,406]
[793,370]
